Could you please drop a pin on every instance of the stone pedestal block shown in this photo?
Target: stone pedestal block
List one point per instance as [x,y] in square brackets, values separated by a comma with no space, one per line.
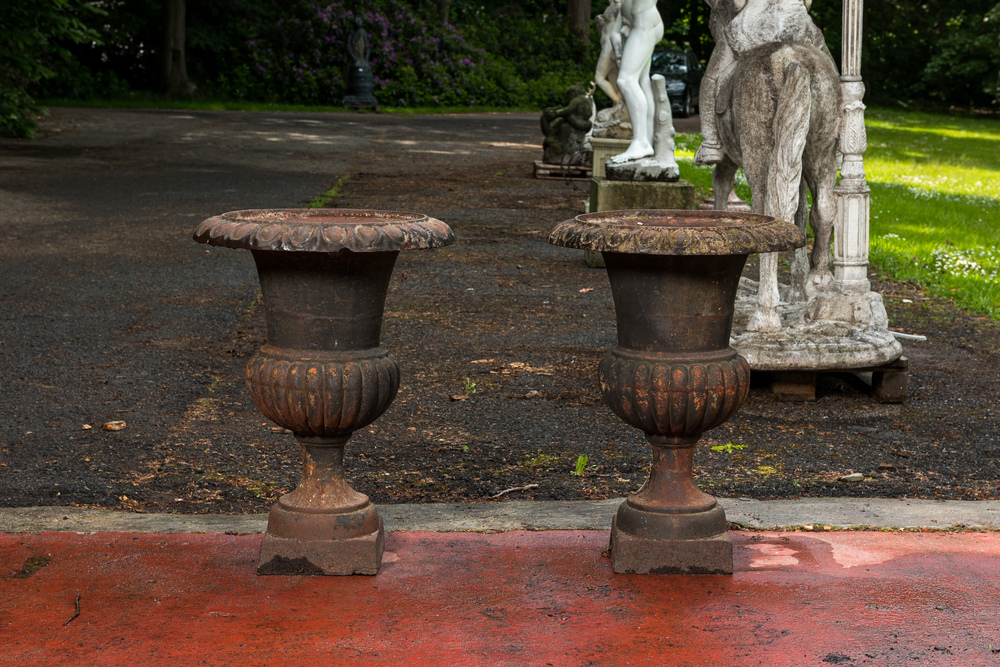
[608,195]
[604,149]
[631,554]
[356,555]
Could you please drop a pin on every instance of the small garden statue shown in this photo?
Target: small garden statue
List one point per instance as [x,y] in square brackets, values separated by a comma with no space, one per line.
[565,128]
[360,80]
[612,123]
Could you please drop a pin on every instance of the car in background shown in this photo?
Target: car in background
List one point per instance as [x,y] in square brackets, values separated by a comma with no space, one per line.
[683,72]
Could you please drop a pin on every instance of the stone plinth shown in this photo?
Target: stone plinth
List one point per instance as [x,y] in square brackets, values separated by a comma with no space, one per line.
[605,149]
[608,195]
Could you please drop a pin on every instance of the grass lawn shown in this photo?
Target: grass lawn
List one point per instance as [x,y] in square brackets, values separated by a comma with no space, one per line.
[935,202]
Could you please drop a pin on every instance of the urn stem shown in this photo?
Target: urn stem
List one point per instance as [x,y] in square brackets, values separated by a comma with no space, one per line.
[670,488]
[323,487]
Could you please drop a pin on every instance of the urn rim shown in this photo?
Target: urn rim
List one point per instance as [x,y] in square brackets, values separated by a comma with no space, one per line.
[324,230]
[677,232]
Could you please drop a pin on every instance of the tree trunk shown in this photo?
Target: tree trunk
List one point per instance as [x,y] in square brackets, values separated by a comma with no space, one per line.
[173,66]
[444,10]
[578,19]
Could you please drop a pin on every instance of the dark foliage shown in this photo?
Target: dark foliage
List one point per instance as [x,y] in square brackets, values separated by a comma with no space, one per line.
[32,38]
[493,53]
[941,53]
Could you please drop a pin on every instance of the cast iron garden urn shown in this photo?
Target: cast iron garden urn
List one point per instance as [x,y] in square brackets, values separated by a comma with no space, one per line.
[674,276]
[323,372]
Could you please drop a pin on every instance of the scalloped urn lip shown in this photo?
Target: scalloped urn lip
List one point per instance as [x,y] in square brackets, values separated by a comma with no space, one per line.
[677,232]
[327,230]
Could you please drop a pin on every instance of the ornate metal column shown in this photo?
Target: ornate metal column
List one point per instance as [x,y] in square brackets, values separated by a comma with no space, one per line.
[850,298]
[853,194]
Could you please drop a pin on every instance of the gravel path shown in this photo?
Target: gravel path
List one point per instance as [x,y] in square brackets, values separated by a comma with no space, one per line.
[109,312]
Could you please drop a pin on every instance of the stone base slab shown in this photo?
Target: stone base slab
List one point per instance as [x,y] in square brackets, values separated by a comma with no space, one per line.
[652,170]
[643,555]
[608,195]
[357,555]
[807,345]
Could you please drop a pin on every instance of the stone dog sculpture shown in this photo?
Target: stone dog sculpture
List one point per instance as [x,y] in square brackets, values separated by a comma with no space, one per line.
[778,117]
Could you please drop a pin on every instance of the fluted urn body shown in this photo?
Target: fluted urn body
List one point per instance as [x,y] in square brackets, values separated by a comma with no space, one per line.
[674,277]
[323,372]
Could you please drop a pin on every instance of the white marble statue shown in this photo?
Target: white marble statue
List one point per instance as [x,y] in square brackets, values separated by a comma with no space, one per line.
[639,28]
[606,73]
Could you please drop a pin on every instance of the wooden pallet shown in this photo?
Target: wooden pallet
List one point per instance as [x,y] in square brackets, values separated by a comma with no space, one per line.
[543,170]
[888,383]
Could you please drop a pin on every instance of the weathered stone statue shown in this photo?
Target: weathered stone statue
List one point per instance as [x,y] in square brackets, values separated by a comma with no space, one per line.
[639,29]
[606,73]
[612,123]
[776,111]
[566,127]
[739,26]
[360,80]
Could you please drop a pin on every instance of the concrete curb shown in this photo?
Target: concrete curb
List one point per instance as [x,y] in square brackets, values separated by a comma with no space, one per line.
[532,515]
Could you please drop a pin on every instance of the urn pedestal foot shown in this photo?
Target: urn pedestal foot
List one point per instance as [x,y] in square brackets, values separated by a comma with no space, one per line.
[636,554]
[337,556]
[670,526]
[323,526]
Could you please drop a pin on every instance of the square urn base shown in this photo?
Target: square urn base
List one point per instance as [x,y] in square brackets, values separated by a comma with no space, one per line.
[357,555]
[643,555]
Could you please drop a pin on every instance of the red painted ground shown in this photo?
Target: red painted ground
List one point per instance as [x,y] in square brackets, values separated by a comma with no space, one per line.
[504,599]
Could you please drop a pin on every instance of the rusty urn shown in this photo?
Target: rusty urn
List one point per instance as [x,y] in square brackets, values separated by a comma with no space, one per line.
[323,372]
[674,277]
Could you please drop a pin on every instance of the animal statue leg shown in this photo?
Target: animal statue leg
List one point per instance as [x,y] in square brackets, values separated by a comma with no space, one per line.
[723,180]
[710,151]
[765,318]
[800,256]
[790,129]
[824,212]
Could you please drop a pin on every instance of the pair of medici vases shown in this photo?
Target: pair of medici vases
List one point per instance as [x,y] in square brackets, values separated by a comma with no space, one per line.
[323,372]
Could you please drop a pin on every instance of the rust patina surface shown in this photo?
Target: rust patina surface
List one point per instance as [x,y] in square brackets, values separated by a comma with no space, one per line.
[323,372]
[674,276]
